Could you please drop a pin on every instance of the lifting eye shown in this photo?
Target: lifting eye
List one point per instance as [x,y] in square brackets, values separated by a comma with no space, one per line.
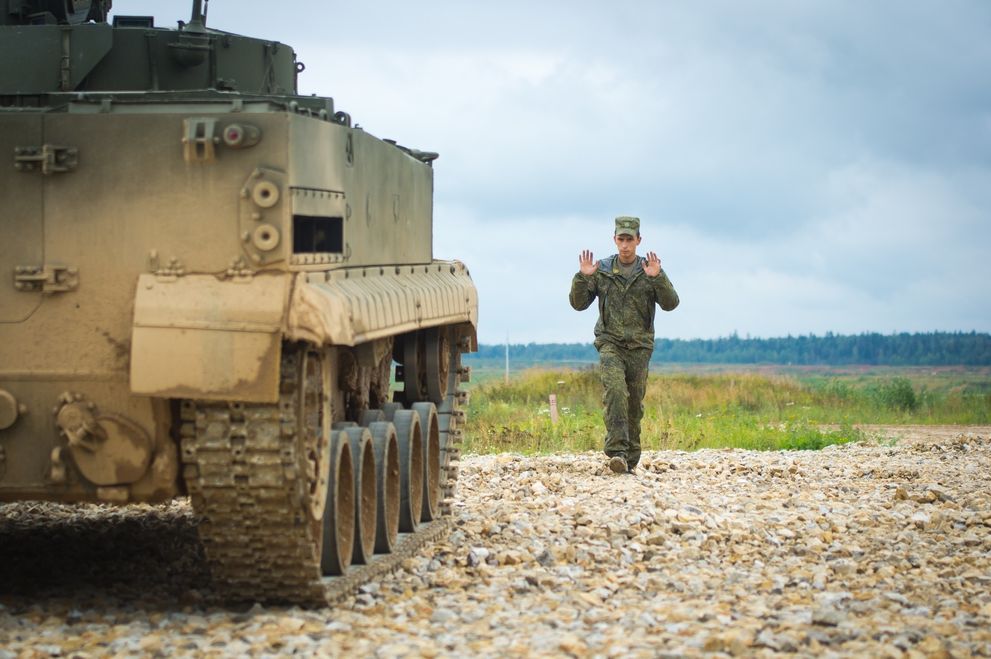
[265,194]
[265,238]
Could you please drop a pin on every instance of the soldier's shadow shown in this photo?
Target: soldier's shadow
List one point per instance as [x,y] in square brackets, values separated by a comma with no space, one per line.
[144,556]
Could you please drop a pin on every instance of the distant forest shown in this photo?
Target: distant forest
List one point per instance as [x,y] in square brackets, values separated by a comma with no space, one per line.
[924,349]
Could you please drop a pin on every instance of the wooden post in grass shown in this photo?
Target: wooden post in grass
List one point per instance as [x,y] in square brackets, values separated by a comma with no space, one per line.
[553,401]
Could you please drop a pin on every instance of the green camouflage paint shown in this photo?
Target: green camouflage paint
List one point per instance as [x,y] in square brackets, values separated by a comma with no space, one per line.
[624,337]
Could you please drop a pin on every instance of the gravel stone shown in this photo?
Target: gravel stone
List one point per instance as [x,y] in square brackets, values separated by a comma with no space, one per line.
[874,549]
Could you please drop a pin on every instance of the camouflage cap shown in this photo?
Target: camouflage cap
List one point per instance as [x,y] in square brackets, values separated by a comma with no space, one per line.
[628,225]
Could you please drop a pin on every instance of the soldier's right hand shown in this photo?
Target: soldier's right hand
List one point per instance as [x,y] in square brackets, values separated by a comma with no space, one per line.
[587,265]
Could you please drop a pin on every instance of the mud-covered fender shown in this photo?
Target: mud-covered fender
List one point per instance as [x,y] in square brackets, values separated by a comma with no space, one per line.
[199,336]
[348,307]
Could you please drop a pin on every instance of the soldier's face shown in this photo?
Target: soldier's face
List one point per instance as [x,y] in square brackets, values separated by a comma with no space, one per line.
[627,246]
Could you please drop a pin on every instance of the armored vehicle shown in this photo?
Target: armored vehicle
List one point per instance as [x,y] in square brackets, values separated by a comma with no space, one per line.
[206,282]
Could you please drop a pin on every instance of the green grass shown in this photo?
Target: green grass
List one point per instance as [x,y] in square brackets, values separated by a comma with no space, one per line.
[713,409]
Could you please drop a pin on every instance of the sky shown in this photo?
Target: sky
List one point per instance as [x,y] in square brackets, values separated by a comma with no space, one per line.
[799,167]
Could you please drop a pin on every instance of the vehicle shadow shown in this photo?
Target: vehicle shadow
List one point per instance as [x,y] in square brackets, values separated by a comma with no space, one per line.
[139,555]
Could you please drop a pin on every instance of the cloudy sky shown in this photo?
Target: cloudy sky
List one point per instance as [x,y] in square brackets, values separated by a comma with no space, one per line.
[800,167]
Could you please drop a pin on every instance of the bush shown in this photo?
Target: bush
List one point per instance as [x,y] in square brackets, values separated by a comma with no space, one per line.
[896,394]
[806,437]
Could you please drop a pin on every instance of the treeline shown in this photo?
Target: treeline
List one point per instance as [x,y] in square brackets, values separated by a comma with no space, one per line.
[920,349]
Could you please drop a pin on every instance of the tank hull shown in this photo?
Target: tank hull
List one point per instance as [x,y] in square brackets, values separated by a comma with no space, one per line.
[170,296]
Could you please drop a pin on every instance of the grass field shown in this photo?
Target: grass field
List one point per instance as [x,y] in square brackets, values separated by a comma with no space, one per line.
[714,407]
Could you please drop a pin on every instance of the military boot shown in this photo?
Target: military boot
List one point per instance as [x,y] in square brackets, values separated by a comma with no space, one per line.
[618,464]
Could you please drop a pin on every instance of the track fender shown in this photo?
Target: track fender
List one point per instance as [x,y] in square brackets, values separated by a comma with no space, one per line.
[356,305]
[202,337]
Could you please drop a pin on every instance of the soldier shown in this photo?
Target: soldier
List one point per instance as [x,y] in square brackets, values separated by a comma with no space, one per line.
[628,286]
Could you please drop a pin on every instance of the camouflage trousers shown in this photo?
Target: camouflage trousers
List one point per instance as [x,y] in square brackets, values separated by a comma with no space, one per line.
[624,383]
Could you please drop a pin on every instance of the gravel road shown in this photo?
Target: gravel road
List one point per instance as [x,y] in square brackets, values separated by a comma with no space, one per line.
[876,549]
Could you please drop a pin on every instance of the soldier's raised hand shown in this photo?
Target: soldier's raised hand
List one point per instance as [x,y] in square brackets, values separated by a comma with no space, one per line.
[653,266]
[587,265]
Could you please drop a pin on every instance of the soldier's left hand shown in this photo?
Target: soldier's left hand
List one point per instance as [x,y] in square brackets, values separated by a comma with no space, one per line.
[653,265]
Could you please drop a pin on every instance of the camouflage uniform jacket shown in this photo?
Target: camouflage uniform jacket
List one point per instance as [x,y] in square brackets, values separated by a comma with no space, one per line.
[626,306]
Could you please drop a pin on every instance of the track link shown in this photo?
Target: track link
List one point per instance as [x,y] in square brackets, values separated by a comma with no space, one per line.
[245,469]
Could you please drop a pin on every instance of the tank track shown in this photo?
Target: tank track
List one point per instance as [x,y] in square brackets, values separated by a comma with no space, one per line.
[242,467]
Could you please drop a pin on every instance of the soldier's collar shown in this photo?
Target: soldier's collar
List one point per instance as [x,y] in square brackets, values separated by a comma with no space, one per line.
[611,264]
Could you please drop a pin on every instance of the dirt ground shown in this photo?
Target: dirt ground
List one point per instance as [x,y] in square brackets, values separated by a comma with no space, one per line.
[881,548]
